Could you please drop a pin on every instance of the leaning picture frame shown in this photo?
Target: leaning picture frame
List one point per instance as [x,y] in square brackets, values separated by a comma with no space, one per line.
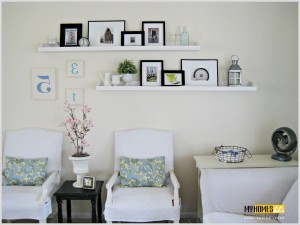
[132,38]
[172,78]
[150,72]
[154,32]
[70,34]
[200,72]
[89,182]
[106,32]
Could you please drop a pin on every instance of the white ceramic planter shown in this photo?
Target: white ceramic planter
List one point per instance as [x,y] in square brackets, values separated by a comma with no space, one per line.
[80,168]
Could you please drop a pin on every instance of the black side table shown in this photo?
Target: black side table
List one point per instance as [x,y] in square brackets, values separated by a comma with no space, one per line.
[68,192]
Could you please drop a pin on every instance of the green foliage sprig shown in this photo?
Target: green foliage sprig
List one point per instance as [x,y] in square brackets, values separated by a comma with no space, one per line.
[127,66]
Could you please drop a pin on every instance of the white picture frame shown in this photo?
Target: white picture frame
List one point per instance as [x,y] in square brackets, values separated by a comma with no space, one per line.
[75,68]
[200,72]
[75,96]
[43,83]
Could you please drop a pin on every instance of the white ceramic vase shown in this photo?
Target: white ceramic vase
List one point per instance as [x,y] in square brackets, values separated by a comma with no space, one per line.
[80,168]
[127,78]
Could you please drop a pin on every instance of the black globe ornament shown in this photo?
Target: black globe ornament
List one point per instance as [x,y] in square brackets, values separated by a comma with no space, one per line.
[284,142]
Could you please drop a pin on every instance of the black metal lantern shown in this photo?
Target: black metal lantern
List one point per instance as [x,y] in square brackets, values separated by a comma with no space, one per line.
[235,72]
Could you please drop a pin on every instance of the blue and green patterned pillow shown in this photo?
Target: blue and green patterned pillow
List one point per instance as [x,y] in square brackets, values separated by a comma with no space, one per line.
[142,172]
[25,172]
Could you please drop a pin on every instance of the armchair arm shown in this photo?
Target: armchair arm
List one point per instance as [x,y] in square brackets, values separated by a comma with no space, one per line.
[110,185]
[176,186]
[46,186]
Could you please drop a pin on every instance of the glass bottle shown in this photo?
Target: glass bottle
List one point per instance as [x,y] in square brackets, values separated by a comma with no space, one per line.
[184,37]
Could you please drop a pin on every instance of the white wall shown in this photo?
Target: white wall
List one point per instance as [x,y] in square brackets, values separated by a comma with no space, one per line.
[263,35]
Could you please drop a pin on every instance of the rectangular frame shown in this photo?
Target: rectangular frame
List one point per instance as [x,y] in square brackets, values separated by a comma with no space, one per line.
[150,72]
[70,34]
[75,68]
[75,96]
[89,182]
[105,32]
[132,38]
[176,80]
[200,72]
[43,83]
[151,28]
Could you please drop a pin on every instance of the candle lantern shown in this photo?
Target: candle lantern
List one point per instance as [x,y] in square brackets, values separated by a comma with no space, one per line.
[235,72]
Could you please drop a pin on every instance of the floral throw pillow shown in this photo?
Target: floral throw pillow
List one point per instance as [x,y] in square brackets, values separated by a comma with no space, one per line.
[142,172]
[25,172]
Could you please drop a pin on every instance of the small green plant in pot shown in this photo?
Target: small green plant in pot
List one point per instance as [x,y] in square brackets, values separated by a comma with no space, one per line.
[127,69]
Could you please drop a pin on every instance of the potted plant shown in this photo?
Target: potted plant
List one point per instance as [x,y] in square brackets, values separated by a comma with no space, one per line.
[77,130]
[127,69]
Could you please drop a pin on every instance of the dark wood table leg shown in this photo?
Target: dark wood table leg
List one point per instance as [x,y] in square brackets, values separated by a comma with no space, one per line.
[59,210]
[69,211]
[99,208]
[93,201]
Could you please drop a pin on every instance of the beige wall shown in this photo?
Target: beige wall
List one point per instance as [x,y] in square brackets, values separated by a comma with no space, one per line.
[263,35]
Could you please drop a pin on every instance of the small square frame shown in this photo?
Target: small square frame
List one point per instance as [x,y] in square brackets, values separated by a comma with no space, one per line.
[106,32]
[75,68]
[43,83]
[150,72]
[75,96]
[175,78]
[132,38]
[70,34]
[200,72]
[89,182]
[154,32]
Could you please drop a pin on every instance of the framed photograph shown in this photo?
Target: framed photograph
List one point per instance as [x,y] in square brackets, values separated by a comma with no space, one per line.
[150,72]
[43,83]
[70,34]
[89,182]
[74,68]
[172,78]
[107,32]
[200,72]
[132,38]
[154,32]
[74,96]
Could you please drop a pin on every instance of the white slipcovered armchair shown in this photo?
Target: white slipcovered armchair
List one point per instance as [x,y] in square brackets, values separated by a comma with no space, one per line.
[32,202]
[143,204]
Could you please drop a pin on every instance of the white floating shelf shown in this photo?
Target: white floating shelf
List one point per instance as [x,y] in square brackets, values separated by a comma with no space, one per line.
[174,88]
[119,48]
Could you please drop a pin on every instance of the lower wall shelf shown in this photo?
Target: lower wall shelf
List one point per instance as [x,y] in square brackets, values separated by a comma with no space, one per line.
[174,88]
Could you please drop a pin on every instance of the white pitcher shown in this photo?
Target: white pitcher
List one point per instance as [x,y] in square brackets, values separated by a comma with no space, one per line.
[116,79]
[106,78]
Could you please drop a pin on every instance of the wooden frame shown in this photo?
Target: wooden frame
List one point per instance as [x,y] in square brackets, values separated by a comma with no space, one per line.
[70,34]
[75,96]
[132,38]
[150,72]
[172,78]
[75,68]
[154,32]
[43,83]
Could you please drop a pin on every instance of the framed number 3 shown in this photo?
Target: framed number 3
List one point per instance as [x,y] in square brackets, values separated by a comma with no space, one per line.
[74,68]
[43,83]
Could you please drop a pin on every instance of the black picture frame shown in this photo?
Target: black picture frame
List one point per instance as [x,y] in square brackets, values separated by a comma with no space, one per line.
[89,182]
[105,32]
[132,38]
[150,72]
[172,78]
[155,33]
[70,34]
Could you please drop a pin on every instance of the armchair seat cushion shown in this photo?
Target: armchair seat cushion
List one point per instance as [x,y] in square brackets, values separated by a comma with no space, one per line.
[142,204]
[28,206]
[222,217]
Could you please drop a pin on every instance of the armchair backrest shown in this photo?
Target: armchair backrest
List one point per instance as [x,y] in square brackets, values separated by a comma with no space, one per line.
[144,143]
[35,143]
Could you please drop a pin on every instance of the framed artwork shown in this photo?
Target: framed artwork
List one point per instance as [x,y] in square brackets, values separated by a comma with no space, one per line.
[154,32]
[150,72]
[132,38]
[89,182]
[74,96]
[70,34]
[200,72]
[172,78]
[107,32]
[43,83]
[74,68]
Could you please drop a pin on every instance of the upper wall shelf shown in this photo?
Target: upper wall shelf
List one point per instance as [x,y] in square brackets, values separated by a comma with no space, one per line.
[119,48]
[174,88]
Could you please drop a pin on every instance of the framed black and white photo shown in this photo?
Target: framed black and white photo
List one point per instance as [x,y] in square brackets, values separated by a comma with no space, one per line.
[88,182]
[70,34]
[200,72]
[154,32]
[151,72]
[132,38]
[172,78]
[107,32]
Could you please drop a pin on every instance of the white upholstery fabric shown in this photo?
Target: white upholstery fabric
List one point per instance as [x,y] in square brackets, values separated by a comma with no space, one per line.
[27,202]
[221,217]
[291,205]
